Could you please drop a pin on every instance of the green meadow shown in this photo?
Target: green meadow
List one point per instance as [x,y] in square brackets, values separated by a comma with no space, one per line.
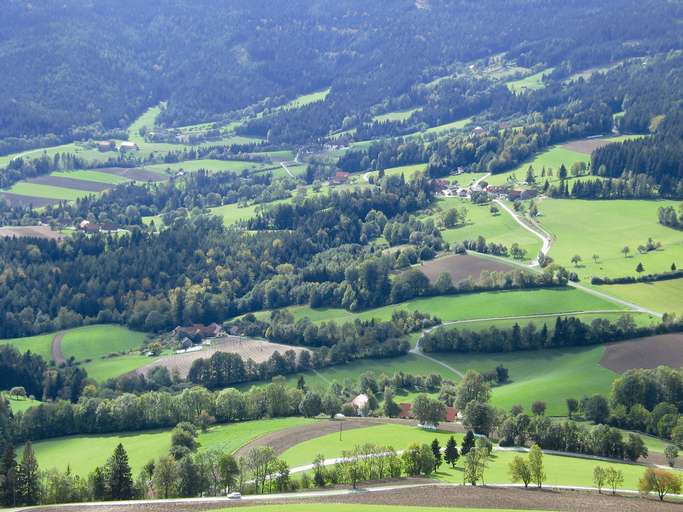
[40,344]
[20,405]
[91,175]
[549,375]
[399,115]
[103,369]
[454,125]
[47,191]
[408,171]
[95,341]
[662,296]
[210,165]
[603,228]
[500,228]
[306,99]
[529,83]
[553,158]
[83,453]
[474,305]
[330,446]
[146,120]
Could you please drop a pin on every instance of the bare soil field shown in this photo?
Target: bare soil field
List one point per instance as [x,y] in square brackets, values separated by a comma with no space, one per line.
[586,146]
[462,266]
[418,495]
[650,352]
[29,232]
[282,440]
[22,200]
[58,181]
[135,173]
[257,350]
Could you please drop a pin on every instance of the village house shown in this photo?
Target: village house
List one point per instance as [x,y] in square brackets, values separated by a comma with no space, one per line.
[406,412]
[203,331]
[340,178]
[126,146]
[107,145]
[361,405]
[88,227]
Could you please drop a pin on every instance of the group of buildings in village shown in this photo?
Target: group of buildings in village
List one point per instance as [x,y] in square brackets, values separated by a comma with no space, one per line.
[123,147]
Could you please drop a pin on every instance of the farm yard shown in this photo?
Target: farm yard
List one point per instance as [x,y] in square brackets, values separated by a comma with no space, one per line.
[256,350]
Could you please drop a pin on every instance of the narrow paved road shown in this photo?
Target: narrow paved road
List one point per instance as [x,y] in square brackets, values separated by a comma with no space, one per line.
[545,238]
[56,348]
[284,166]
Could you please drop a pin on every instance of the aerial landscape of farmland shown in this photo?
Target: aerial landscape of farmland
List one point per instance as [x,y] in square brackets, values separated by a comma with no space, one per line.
[387,257]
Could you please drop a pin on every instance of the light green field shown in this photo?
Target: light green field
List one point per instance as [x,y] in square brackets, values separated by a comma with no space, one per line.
[662,296]
[103,369]
[40,344]
[529,83]
[89,175]
[553,158]
[604,228]
[146,120]
[408,171]
[210,165]
[455,125]
[501,228]
[475,305]
[548,375]
[47,191]
[361,507]
[83,453]
[559,470]
[400,115]
[95,341]
[306,99]
[90,154]
[20,405]
[330,446]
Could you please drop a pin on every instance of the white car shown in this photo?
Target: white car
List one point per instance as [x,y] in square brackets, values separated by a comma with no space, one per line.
[235,496]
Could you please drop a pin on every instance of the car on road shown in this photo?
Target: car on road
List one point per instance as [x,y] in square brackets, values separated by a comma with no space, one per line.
[235,496]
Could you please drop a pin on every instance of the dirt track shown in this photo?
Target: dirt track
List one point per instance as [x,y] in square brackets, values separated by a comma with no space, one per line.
[57,355]
[428,496]
[650,352]
[281,440]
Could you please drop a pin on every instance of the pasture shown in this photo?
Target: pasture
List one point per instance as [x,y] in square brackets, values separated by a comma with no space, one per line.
[662,296]
[40,344]
[399,115]
[21,404]
[83,453]
[473,305]
[38,190]
[408,171]
[500,228]
[447,127]
[96,341]
[210,165]
[92,176]
[603,228]
[306,99]
[331,446]
[529,83]
[550,375]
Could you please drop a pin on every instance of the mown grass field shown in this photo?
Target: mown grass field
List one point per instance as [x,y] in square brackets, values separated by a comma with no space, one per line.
[553,158]
[475,305]
[40,344]
[559,470]
[443,128]
[47,191]
[103,369]
[399,115]
[210,165]
[501,228]
[663,296]
[95,341]
[408,171]
[603,228]
[548,375]
[529,83]
[83,453]
[90,175]
[306,99]
[330,446]
[21,404]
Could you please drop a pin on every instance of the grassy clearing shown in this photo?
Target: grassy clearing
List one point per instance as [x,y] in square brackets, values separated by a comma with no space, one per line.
[400,115]
[306,99]
[663,296]
[603,228]
[529,83]
[501,228]
[559,470]
[88,175]
[443,128]
[47,191]
[210,165]
[40,344]
[21,404]
[83,453]
[408,171]
[95,341]
[471,306]
[146,120]
[330,446]
[553,158]
[548,375]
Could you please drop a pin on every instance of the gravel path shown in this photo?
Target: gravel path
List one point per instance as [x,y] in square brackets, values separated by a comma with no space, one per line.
[57,355]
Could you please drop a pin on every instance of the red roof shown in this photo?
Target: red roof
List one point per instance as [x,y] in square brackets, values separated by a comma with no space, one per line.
[405,411]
